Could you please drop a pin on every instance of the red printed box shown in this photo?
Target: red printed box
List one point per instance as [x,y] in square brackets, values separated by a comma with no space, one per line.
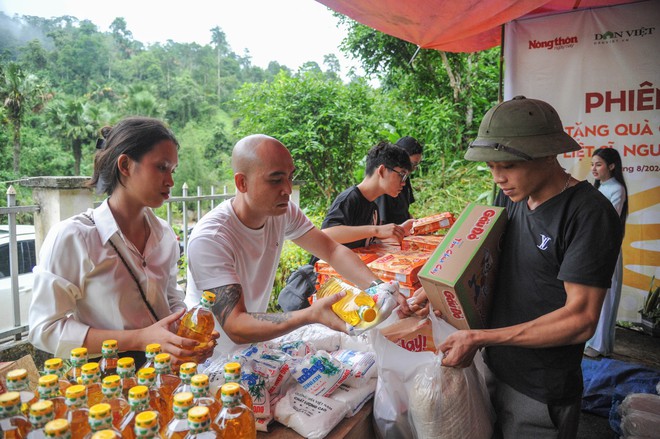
[401,267]
[430,224]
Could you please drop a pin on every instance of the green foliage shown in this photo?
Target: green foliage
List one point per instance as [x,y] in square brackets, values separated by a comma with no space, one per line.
[328,127]
[651,309]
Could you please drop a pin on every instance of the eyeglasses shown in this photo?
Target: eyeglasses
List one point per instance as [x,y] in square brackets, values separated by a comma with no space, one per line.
[402,174]
[415,165]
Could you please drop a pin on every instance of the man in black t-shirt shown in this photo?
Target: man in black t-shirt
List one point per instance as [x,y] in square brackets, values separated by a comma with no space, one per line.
[353,218]
[397,209]
[558,255]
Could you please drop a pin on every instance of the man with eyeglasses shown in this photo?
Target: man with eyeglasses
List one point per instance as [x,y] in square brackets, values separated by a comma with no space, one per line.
[353,218]
[397,209]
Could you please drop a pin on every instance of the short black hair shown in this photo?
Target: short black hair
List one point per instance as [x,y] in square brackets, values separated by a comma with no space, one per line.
[389,155]
[410,145]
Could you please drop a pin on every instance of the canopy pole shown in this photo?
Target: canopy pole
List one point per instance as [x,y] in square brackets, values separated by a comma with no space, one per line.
[414,56]
[500,85]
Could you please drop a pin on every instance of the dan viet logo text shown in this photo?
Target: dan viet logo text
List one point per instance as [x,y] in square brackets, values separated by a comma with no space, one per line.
[556,43]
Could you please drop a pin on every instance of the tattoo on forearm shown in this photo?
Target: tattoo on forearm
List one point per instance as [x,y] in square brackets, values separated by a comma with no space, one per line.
[271,317]
[226,298]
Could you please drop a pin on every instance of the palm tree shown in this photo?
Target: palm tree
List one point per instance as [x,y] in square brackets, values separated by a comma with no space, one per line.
[19,91]
[70,119]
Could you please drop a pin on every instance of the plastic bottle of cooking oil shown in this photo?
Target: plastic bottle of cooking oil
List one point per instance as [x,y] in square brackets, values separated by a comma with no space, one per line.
[58,429]
[138,399]
[113,395]
[108,363]
[17,381]
[201,391]
[178,428]
[78,357]
[126,371]
[13,423]
[235,420]
[41,413]
[166,381]
[233,375]
[355,307]
[77,413]
[90,376]
[186,372]
[49,390]
[147,425]
[201,427]
[56,366]
[157,402]
[198,323]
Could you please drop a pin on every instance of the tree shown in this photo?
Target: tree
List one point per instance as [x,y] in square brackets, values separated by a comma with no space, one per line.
[219,40]
[328,127]
[19,92]
[68,119]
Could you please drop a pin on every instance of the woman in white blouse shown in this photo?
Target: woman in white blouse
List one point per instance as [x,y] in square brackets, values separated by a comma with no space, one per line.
[607,169]
[110,273]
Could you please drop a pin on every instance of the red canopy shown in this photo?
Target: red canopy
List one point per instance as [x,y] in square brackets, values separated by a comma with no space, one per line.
[452,25]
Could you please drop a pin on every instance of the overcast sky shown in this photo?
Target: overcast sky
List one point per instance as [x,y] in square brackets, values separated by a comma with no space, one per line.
[288,31]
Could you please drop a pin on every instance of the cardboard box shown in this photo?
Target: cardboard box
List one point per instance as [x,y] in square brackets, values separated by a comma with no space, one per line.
[432,223]
[26,362]
[401,266]
[459,277]
[427,243]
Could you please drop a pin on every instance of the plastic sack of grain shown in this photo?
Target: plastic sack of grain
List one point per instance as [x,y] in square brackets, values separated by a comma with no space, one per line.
[355,397]
[295,348]
[640,424]
[320,373]
[317,335]
[644,402]
[311,416]
[258,388]
[362,365]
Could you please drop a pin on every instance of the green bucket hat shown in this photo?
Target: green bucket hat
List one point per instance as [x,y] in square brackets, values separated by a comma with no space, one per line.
[520,129]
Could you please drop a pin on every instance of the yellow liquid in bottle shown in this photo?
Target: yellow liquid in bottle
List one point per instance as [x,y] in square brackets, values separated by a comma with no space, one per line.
[236,424]
[198,323]
[79,423]
[348,307]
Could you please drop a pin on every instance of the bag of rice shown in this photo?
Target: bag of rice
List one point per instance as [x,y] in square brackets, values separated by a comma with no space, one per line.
[311,416]
[320,373]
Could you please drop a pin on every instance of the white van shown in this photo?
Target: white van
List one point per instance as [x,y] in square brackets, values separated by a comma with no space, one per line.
[27,259]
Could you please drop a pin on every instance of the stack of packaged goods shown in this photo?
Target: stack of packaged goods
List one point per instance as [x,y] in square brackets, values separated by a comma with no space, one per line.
[324,271]
[432,223]
[422,243]
[402,267]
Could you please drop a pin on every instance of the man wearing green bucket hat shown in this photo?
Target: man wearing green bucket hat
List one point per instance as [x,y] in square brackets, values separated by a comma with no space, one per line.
[558,256]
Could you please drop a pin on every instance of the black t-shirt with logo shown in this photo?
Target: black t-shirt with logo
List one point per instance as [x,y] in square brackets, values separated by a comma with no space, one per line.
[573,237]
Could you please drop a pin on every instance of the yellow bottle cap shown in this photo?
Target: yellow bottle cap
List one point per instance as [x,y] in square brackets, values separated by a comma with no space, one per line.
[200,380]
[99,411]
[41,407]
[233,368]
[162,358]
[126,362]
[183,399]
[111,381]
[90,368]
[188,368]
[138,392]
[56,427]
[110,344]
[16,374]
[53,364]
[49,380]
[209,296]
[75,391]
[146,419]
[147,373]
[153,348]
[199,414]
[12,398]
[79,353]
[105,434]
[230,389]
[368,314]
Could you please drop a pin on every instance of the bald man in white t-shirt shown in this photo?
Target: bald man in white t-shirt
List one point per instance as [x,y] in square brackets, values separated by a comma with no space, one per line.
[234,250]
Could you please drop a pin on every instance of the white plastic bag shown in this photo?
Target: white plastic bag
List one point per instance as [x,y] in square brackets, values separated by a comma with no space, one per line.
[404,376]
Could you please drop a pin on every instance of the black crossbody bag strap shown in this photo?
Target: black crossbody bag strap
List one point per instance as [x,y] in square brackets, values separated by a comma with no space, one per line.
[137,282]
